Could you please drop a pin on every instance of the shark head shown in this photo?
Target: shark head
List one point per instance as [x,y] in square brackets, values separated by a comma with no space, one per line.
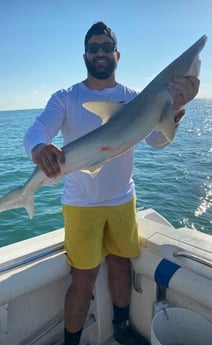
[187,64]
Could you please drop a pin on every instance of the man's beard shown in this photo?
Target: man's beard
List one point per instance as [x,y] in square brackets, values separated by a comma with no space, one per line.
[100,72]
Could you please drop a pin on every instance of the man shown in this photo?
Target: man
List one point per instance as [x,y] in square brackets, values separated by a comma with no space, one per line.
[99,212]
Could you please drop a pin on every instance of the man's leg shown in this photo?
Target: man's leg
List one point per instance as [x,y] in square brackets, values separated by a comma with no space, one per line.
[119,280]
[120,289]
[77,303]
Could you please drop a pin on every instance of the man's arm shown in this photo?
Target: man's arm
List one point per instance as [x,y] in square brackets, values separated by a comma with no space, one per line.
[37,140]
[48,157]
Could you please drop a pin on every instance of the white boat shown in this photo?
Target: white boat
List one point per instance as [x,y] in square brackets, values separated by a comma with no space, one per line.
[172,282]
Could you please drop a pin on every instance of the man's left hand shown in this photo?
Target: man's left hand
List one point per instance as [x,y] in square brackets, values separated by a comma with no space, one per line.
[183,90]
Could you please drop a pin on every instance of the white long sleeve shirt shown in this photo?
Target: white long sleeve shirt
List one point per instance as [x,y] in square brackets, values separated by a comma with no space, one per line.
[113,185]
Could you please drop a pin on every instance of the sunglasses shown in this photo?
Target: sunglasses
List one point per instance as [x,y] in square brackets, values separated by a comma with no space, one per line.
[107,47]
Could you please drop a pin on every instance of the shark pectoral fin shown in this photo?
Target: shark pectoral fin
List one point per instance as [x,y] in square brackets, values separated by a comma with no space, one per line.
[166,123]
[168,127]
[105,110]
[93,171]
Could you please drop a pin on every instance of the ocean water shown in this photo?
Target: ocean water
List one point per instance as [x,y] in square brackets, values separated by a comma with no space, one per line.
[175,181]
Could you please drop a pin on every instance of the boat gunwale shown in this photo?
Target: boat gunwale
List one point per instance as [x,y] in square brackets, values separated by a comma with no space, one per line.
[31,257]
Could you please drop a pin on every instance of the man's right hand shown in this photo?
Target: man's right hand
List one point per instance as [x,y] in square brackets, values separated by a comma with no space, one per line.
[48,157]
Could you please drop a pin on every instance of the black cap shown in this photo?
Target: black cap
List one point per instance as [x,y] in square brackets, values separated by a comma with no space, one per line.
[100,28]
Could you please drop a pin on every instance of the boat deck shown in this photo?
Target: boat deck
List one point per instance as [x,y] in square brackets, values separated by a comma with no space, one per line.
[34,278]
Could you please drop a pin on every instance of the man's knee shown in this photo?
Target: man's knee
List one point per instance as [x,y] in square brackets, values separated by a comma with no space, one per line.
[83,280]
[118,263]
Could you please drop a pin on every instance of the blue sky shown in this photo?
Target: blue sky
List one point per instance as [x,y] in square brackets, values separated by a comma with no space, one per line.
[42,43]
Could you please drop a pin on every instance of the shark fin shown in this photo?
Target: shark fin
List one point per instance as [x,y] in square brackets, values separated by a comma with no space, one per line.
[167,123]
[29,205]
[18,198]
[93,171]
[105,110]
[168,127]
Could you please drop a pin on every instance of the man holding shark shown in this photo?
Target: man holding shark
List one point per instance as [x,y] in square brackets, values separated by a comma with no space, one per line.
[99,210]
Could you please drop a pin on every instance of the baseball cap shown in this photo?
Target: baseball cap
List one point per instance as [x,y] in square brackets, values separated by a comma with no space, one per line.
[100,28]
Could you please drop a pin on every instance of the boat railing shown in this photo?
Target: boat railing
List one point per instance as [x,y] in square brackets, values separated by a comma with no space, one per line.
[193,257]
[31,257]
[59,247]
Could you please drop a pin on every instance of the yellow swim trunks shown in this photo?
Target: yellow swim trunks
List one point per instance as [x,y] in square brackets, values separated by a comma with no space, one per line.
[91,233]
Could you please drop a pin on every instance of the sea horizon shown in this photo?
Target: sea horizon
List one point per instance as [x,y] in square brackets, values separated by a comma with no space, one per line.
[175,181]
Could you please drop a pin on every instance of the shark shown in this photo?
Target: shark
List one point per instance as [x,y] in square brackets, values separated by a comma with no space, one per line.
[123,127]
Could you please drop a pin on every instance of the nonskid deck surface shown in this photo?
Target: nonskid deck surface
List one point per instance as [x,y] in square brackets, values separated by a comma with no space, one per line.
[60,341]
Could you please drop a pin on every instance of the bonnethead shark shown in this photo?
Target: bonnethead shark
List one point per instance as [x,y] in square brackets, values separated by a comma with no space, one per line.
[123,126]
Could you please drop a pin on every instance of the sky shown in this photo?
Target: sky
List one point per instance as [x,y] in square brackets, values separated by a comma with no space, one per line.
[41,43]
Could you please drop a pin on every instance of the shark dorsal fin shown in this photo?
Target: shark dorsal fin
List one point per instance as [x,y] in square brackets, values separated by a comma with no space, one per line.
[105,110]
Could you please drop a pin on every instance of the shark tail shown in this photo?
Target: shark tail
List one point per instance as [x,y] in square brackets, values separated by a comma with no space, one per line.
[18,198]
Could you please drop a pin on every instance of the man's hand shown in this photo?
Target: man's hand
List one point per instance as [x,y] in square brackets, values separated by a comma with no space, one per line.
[183,90]
[48,158]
